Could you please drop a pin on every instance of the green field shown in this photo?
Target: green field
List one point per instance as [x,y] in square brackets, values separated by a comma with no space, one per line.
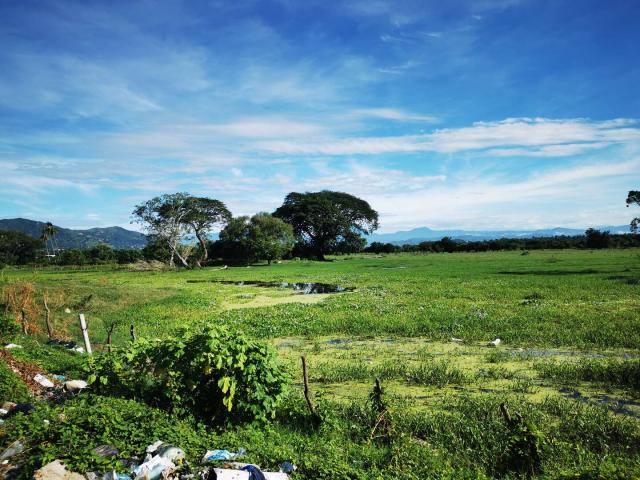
[569,358]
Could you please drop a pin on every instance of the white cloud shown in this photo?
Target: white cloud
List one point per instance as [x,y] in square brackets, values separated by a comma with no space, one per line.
[516,132]
[394,114]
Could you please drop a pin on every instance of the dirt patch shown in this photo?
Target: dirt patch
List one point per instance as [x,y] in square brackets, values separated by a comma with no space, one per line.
[24,370]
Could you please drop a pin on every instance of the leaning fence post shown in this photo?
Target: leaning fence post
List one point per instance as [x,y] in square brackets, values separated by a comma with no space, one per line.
[85,333]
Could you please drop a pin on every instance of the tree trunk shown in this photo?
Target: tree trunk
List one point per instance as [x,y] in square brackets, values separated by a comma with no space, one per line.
[25,330]
[203,245]
[47,318]
[174,249]
[110,335]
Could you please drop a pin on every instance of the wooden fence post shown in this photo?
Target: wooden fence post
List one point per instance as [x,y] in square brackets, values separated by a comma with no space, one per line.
[85,333]
[47,318]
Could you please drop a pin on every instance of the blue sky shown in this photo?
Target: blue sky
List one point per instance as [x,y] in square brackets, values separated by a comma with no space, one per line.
[471,114]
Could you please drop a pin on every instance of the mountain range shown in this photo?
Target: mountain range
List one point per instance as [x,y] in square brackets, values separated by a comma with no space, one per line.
[66,238]
[119,237]
[424,234]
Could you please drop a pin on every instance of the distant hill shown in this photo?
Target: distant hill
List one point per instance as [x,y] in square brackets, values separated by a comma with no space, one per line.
[424,234]
[117,237]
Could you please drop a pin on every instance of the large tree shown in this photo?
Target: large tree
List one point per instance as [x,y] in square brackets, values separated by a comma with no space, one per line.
[321,219]
[164,218]
[634,199]
[203,214]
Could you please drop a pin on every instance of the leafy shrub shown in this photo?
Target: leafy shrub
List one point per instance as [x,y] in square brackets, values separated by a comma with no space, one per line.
[8,327]
[213,373]
[11,386]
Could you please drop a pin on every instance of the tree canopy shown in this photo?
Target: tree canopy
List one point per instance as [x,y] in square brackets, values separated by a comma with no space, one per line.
[634,199]
[164,218]
[202,215]
[321,219]
[261,237]
[17,248]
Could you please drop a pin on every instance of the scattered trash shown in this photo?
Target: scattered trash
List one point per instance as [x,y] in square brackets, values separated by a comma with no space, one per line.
[75,385]
[13,449]
[161,464]
[46,422]
[288,467]
[62,343]
[12,345]
[3,412]
[44,381]
[8,406]
[229,474]
[67,310]
[213,455]
[154,446]
[60,378]
[106,451]
[56,471]
[154,468]
[457,340]
[19,408]
[495,343]
[78,349]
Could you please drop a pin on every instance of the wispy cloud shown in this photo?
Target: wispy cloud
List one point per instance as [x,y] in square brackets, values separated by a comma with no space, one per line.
[517,132]
[394,114]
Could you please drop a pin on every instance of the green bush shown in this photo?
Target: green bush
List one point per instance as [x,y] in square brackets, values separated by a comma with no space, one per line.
[213,373]
[12,387]
[8,327]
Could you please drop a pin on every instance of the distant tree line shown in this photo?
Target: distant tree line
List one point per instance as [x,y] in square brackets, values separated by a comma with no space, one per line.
[311,225]
[592,239]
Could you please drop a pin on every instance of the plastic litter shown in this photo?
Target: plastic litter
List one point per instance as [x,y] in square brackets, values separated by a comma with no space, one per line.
[67,310]
[115,476]
[254,472]
[288,467]
[494,343]
[160,464]
[75,385]
[457,340]
[154,468]
[213,455]
[227,474]
[60,378]
[106,451]
[12,345]
[78,349]
[13,449]
[3,412]
[44,381]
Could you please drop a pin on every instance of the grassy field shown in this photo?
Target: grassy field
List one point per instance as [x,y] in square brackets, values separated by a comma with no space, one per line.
[569,358]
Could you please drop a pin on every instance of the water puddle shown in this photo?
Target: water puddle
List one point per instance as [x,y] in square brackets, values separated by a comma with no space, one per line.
[618,405]
[302,288]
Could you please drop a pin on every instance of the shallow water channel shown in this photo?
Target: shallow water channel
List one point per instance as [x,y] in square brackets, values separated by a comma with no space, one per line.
[304,288]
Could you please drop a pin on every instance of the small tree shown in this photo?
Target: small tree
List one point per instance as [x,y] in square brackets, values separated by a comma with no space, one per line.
[261,237]
[597,239]
[270,237]
[634,199]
